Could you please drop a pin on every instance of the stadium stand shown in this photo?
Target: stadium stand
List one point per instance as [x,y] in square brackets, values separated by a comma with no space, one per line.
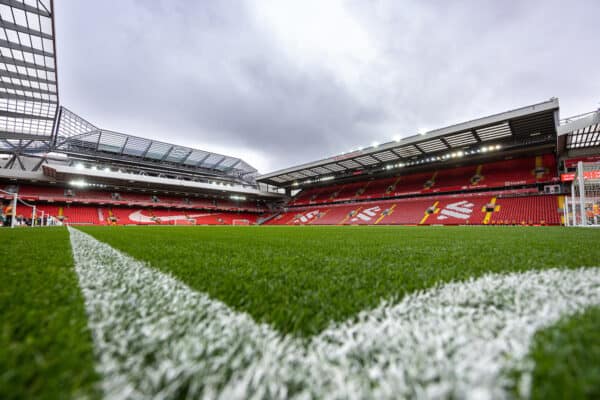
[54,194]
[522,171]
[464,209]
[446,177]
[536,210]
[89,215]
[491,170]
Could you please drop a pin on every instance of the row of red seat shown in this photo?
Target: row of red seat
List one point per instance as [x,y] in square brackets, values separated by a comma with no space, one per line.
[499,174]
[89,215]
[60,194]
[464,209]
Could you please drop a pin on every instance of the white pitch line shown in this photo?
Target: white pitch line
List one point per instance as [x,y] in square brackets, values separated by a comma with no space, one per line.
[157,338]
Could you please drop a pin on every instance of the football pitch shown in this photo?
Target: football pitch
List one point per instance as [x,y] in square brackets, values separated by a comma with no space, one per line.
[306,312]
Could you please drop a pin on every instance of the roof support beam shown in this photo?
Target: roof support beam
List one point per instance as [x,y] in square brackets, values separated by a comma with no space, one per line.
[11,96]
[218,162]
[13,86]
[396,153]
[164,157]
[39,164]
[10,162]
[24,29]
[21,136]
[24,146]
[231,167]
[26,64]
[25,7]
[26,49]
[11,114]
[203,159]
[20,162]
[123,147]
[443,140]
[147,150]
[186,156]
[25,77]
[9,144]
[98,141]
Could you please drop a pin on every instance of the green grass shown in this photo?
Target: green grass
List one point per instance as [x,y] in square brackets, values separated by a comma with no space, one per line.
[299,279]
[45,348]
[567,359]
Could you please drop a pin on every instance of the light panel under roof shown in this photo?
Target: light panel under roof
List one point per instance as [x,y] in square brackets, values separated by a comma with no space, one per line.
[320,170]
[461,139]
[407,151]
[335,167]
[386,156]
[28,82]
[349,164]
[367,160]
[494,132]
[588,136]
[432,146]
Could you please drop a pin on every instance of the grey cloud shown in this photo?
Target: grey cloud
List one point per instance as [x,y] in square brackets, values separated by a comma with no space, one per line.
[209,72]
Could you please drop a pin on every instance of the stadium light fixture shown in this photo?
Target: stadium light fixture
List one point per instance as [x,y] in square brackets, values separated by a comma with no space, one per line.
[78,183]
[397,138]
[79,166]
[235,197]
[375,144]
[327,178]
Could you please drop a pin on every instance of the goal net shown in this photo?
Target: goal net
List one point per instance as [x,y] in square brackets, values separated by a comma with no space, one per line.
[240,222]
[187,221]
[582,208]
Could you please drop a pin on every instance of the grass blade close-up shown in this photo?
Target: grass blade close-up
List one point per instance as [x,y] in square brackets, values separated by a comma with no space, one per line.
[46,348]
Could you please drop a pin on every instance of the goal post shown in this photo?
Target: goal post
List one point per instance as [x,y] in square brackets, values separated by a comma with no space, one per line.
[582,207]
[187,221]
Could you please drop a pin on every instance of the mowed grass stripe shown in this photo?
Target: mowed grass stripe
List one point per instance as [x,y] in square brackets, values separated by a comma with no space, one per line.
[46,350]
[156,338]
[299,279]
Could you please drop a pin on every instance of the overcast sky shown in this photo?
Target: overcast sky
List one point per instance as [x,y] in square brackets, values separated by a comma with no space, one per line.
[279,83]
